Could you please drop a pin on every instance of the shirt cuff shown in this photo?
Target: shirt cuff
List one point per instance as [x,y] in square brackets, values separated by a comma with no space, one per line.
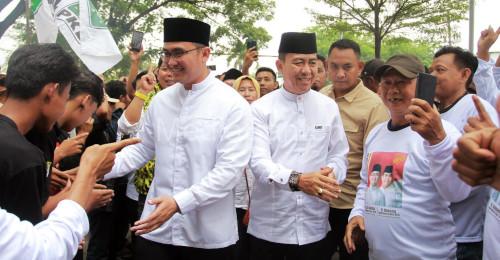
[436,150]
[355,212]
[489,63]
[185,201]
[281,175]
[126,127]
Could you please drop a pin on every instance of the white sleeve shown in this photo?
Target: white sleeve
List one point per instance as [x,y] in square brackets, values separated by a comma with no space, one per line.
[447,182]
[359,201]
[264,169]
[135,156]
[338,148]
[233,153]
[55,238]
[496,75]
[486,87]
[126,128]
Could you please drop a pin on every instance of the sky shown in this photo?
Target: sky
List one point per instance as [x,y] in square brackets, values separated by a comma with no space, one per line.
[295,17]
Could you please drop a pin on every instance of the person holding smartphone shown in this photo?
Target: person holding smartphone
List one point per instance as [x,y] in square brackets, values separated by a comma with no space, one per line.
[417,145]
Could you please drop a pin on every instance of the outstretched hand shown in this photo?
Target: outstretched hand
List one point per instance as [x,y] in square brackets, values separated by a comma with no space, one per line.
[166,207]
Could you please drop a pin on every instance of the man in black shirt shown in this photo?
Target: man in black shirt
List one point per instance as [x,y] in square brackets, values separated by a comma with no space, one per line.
[38,84]
[85,95]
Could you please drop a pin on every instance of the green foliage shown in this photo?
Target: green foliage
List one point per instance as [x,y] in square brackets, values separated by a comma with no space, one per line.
[231,21]
[430,19]
[392,45]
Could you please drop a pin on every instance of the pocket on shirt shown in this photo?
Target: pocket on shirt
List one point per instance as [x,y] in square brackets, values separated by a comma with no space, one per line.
[320,133]
[351,129]
[354,134]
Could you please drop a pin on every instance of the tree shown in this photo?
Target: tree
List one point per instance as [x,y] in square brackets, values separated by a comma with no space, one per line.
[382,18]
[231,22]
[424,50]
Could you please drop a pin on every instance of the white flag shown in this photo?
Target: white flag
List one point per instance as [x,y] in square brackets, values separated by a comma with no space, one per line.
[79,22]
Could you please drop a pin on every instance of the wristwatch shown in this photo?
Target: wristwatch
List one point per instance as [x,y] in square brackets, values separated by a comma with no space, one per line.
[293,181]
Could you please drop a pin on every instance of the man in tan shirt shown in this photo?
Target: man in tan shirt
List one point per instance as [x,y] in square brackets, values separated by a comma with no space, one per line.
[360,110]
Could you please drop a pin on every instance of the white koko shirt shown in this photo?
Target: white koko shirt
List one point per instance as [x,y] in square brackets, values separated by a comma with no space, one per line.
[202,141]
[469,213]
[419,225]
[491,248]
[57,237]
[293,132]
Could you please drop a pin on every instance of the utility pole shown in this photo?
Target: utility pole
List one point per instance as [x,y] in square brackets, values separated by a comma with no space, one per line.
[27,13]
[341,18]
[471,26]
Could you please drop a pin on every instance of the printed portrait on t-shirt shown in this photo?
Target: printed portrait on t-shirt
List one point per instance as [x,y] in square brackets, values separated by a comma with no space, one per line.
[494,205]
[385,179]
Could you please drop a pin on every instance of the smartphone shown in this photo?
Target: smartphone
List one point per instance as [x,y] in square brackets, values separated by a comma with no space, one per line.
[358,236]
[136,43]
[426,87]
[251,43]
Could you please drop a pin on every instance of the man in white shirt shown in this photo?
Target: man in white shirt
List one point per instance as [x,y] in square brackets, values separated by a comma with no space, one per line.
[417,145]
[200,132]
[454,68]
[298,159]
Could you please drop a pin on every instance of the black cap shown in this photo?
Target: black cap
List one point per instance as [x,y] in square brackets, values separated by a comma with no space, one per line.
[186,30]
[298,42]
[407,65]
[232,74]
[371,66]
[376,168]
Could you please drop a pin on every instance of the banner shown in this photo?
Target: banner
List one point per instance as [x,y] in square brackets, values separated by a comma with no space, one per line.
[12,16]
[81,26]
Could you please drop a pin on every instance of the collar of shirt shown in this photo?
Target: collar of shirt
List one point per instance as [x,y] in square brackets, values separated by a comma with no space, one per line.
[351,95]
[202,85]
[293,97]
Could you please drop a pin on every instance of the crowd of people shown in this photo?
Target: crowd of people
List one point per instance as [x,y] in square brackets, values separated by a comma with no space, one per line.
[176,162]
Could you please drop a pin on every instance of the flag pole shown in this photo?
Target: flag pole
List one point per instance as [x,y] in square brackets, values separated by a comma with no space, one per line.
[27,15]
[471,26]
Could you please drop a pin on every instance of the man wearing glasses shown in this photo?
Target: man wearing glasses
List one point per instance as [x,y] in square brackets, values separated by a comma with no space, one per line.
[198,130]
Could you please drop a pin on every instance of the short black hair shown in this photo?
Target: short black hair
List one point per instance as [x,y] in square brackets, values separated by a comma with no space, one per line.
[138,77]
[160,62]
[90,84]
[2,80]
[462,59]
[261,69]
[116,89]
[344,44]
[322,59]
[281,56]
[31,67]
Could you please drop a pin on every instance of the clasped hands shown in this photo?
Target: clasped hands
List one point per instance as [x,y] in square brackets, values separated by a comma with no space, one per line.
[321,184]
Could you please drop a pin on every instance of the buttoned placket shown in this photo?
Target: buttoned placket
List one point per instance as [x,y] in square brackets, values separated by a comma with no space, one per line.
[179,182]
[300,149]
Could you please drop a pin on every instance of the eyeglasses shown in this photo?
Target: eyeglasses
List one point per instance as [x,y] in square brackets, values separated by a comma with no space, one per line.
[176,53]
